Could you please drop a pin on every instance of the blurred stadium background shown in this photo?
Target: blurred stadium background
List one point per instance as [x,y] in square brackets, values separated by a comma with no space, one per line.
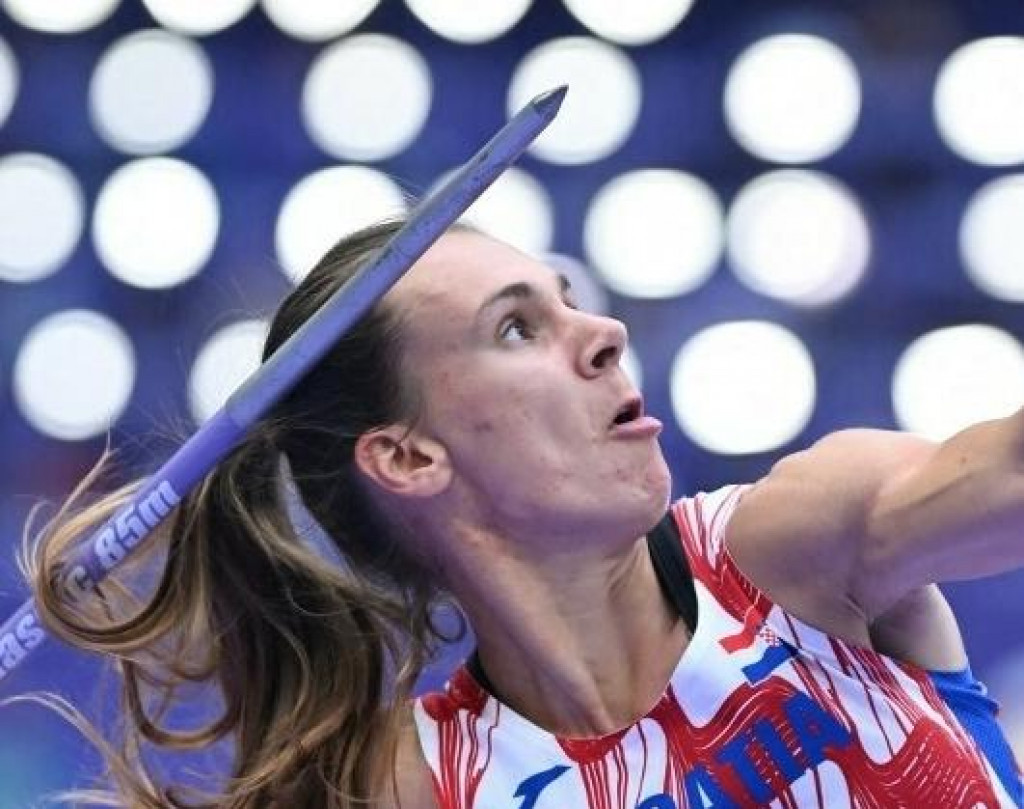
[810,215]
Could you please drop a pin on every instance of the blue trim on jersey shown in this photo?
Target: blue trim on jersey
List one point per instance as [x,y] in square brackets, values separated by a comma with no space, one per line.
[969,701]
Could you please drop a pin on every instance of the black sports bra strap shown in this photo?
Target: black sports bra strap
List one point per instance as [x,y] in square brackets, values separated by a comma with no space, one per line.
[673,570]
[476,671]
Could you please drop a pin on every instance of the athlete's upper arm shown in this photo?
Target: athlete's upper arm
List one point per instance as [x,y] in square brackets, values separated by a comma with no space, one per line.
[801,533]
[955,511]
[866,516]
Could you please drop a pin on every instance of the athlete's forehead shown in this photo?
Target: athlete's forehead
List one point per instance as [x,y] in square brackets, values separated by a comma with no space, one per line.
[466,273]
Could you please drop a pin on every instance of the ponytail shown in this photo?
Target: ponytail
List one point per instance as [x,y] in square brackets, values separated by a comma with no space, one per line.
[314,661]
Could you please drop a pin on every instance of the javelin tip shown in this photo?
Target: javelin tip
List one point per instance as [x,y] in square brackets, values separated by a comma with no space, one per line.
[549,102]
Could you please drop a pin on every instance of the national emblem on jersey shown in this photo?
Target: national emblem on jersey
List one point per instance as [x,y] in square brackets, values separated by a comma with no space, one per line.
[761,710]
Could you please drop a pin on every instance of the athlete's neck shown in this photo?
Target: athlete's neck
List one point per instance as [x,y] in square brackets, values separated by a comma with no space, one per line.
[581,651]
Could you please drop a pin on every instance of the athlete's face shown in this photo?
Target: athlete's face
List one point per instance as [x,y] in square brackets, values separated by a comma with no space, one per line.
[544,431]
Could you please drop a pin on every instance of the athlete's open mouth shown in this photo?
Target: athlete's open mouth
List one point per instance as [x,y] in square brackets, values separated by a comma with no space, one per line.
[630,411]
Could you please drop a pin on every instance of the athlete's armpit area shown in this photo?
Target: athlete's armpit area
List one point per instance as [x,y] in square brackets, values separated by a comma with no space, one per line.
[921,629]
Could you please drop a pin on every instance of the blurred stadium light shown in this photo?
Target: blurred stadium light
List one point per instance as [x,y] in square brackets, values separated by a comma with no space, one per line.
[366,120]
[469,21]
[74,374]
[42,212]
[992,240]
[743,387]
[317,21]
[59,17]
[198,17]
[979,101]
[139,68]
[792,98]
[799,236]
[654,233]
[647,20]
[9,80]
[156,222]
[603,108]
[955,376]
[341,197]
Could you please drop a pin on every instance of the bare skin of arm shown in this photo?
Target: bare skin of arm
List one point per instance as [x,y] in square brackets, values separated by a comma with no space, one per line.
[842,533]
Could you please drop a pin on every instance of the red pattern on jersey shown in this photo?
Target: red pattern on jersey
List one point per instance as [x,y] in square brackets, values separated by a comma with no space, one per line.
[690,746]
[928,770]
[714,567]
[592,757]
[456,713]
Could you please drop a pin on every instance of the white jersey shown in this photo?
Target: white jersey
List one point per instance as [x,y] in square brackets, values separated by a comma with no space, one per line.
[761,710]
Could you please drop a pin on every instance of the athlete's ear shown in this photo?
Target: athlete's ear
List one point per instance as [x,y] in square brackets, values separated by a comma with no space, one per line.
[403,461]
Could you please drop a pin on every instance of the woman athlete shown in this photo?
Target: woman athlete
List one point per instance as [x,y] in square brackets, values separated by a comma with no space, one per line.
[474,439]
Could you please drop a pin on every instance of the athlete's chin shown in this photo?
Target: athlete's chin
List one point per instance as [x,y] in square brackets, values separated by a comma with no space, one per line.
[659,480]
[651,496]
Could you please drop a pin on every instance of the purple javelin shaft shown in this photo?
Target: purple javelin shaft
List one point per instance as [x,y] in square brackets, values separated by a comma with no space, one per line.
[116,539]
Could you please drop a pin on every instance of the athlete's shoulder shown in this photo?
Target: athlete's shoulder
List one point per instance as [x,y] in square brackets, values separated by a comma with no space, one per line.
[701,520]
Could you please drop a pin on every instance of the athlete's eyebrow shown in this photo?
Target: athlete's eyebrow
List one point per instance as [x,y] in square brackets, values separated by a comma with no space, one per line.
[521,290]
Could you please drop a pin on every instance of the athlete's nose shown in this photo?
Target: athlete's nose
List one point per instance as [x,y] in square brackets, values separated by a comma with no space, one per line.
[603,347]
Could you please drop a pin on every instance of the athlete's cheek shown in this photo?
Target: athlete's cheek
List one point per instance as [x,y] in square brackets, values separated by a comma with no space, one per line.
[482,427]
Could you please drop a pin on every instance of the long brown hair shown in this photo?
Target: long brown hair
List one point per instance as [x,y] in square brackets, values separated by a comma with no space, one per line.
[315,661]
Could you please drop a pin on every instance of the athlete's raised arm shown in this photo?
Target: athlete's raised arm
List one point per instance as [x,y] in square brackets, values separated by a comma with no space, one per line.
[842,531]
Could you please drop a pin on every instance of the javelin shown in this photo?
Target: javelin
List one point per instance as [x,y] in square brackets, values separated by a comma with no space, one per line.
[120,535]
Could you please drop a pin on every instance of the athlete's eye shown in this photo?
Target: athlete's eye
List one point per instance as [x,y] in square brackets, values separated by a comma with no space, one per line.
[515,329]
